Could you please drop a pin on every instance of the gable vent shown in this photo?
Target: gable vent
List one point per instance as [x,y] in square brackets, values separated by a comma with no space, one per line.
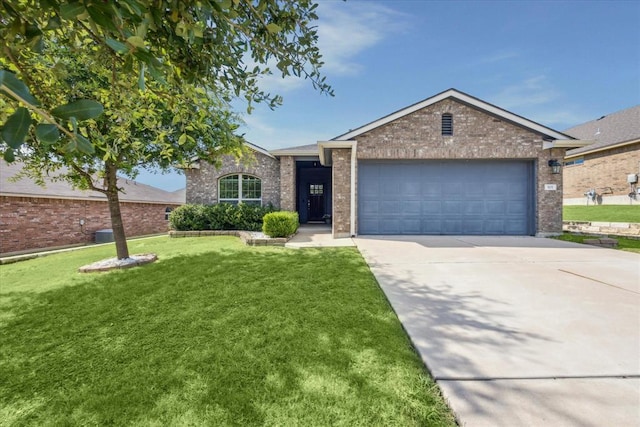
[447,124]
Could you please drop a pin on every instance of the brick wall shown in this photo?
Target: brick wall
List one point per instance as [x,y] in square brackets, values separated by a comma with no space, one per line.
[476,135]
[202,183]
[341,182]
[288,183]
[605,171]
[28,223]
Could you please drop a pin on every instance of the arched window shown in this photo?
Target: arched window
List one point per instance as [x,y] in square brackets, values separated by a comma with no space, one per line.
[240,188]
[447,124]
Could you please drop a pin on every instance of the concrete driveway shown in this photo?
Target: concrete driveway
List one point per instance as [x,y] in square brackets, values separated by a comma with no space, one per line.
[519,330]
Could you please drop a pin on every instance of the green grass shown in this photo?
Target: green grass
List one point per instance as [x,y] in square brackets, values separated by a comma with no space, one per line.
[630,245]
[602,213]
[213,333]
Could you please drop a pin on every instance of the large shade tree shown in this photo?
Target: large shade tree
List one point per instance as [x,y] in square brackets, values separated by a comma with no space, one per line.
[100,88]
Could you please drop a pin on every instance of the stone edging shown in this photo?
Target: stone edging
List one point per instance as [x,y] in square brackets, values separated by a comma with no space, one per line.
[625,229]
[245,236]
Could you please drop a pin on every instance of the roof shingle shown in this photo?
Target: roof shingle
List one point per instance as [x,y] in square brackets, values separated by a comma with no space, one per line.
[619,127]
[133,191]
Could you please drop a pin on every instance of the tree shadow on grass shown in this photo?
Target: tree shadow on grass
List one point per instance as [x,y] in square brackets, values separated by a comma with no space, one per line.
[234,337]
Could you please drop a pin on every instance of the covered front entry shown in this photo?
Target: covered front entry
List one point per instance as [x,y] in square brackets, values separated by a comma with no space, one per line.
[447,197]
[313,186]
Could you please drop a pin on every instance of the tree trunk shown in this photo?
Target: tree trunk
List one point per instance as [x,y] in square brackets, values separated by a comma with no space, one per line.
[122,250]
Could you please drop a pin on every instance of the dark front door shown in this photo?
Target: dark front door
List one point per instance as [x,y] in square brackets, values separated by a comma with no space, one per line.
[315,204]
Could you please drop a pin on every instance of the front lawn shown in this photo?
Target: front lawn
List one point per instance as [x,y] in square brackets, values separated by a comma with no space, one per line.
[213,333]
[602,213]
[630,245]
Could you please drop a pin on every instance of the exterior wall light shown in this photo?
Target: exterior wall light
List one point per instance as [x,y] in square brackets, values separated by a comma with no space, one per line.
[555,166]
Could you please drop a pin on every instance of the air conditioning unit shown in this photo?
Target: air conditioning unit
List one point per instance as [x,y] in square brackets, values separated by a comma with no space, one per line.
[104,236]
[632,178]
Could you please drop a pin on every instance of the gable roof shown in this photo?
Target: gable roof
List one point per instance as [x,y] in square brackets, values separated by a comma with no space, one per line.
[461,97]
[300,150]
[612,130]
[259,149]
[53,189]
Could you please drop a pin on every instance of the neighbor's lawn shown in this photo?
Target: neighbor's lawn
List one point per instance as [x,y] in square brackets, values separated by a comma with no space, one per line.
[214,333]
[630,245]
[603,213]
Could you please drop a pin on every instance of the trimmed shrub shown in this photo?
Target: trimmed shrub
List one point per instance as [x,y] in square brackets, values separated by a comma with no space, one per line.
[188,218]
[280,224]
[221,216]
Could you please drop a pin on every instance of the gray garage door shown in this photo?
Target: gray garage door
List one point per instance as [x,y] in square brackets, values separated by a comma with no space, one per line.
[446,197]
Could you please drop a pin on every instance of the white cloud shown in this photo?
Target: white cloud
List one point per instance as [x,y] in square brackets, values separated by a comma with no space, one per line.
[532,91]
[347,29]
[537,99]
[498,57]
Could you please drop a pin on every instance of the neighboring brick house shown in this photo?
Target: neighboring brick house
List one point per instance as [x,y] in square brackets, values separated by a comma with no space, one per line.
[451,164]
[607,170]
[33,217]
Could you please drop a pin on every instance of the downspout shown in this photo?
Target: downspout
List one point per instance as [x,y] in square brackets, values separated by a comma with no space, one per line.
[352,226]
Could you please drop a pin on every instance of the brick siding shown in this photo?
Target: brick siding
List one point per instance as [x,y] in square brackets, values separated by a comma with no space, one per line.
[605,171]
[288,183]
[202,183]
[476,135]
[341,182]
[28,223]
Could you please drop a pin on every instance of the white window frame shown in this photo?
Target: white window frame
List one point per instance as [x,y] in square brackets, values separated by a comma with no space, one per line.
[240,198]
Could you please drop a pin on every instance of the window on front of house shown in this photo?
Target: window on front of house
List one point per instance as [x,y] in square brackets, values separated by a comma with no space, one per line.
[167,212]
[240,188]
[447,124]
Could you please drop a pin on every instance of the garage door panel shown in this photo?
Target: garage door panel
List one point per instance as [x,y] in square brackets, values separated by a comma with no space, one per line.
[494,226]
[369,208]
[496,207]
[411,207]
[516,208]
[514,226]
[452,207]
[445,197]
[431,207]
[431,226]
[473,207]
[472,226]
[412,226]
[431,189]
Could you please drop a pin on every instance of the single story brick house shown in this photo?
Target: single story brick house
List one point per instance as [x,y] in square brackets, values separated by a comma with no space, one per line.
[451,164]
[607,170]
[33,217]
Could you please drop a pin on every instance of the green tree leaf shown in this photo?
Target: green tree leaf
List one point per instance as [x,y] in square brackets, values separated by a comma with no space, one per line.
[84,145]
[47,133]
[136,41]
[71,10]
[273,28]
[16,128]
[10,83]
[9,156]
[116,45]
[82,109]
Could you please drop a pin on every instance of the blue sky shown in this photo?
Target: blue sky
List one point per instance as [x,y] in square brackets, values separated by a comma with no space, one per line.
[559,63]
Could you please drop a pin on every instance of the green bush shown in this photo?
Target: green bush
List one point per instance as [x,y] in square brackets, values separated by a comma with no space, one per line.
[188,217]
[221,216]
[280,224]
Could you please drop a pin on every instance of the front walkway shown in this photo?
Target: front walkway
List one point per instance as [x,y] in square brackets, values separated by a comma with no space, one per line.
[519,331]
[316,236]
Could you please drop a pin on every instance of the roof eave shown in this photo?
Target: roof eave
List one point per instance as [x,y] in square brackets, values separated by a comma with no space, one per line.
[598,149]
[325,148]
